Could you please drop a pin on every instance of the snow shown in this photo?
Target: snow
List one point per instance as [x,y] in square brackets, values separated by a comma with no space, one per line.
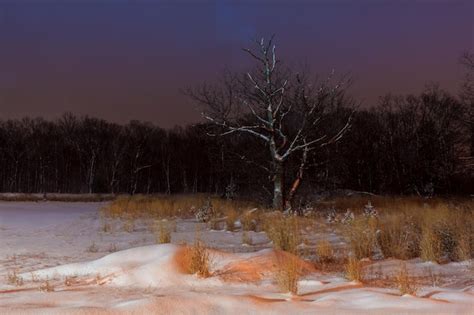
[49,241]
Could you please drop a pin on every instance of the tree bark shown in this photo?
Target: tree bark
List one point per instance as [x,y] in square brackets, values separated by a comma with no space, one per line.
[278,186]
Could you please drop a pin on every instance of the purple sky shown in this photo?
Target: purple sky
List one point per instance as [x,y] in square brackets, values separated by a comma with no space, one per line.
[124,60]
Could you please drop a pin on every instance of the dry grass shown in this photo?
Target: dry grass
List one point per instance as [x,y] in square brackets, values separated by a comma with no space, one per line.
[362,235]
[168,206]
[288,274]
[162,231]
[194,259]
[128,223]
[231,217]
[46,287]
[353,270]
[285,232]
[14,279]
[112,248]
[325,252]
[433,229]
[405,282]
[251,220]
[246,238]
[93,248]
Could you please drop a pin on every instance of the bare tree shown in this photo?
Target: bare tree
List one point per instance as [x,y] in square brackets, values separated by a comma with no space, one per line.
[281,109]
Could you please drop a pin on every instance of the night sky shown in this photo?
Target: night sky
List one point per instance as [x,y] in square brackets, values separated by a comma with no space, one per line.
[124,60]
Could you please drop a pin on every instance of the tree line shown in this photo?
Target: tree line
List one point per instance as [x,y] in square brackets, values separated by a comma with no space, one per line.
[269,133]
[406,144]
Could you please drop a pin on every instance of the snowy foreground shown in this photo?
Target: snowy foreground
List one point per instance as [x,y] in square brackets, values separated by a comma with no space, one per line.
[52,241]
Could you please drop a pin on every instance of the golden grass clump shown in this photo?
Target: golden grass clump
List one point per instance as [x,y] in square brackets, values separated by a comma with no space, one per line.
[353,269]
[284,232]
[405,282]
[195,259]
[362,235]
[288,274]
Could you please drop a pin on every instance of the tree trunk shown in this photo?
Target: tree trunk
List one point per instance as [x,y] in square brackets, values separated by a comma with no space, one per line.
[278,186]
[297,182]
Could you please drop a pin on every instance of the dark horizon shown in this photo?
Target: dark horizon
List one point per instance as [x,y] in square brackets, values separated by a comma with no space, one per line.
[125,61]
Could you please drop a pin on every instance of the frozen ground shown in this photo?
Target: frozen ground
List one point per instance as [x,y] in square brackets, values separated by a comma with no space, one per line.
[93,271]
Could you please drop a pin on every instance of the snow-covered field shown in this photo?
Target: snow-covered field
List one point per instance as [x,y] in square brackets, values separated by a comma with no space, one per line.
[61,247]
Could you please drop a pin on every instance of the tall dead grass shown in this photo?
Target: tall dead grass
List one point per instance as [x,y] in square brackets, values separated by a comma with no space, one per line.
[433,229]
[288,274]
[168,206]
[284,232]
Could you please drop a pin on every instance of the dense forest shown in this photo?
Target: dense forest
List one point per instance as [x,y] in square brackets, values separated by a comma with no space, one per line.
[406,145]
